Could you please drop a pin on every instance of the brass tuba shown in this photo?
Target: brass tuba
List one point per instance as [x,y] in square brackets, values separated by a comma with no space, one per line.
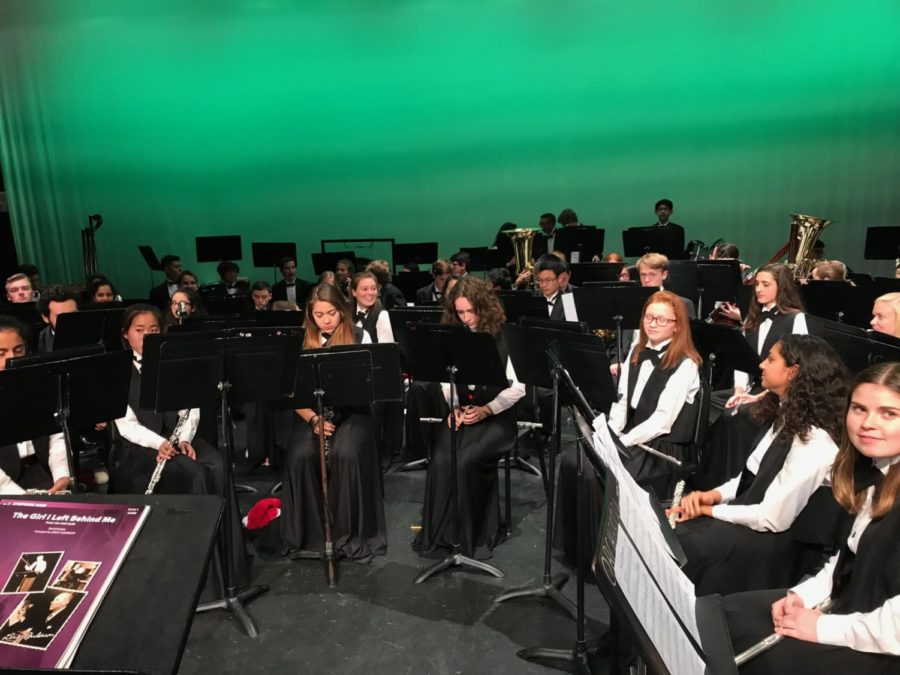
[523,246]
[805,230]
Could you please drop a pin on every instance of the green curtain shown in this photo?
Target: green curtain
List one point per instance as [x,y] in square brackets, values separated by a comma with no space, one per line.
[432,119]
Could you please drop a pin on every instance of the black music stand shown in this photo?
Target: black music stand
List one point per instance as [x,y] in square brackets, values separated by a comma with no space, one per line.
[637,241]
[410,282]
[717,281]
[584,240]
[455,354]
[827,299]
[73,387]
[617,307]
[219,248]
[535,353]
[882,243]
[714,646]
[327,261]
[332,378]
[517,304]
[268,254]
[90,327]
[196,370]
[585,360]
[482,258]
[723,347]
[857,348]
[586,272]
[421,254]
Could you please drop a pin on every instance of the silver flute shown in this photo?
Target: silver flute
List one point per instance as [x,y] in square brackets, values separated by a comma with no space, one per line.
[676,501]
[767,643]
[173,441]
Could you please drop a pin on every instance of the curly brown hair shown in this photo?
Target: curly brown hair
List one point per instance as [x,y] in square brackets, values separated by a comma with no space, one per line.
[484,301]
[816,397]
[844,485]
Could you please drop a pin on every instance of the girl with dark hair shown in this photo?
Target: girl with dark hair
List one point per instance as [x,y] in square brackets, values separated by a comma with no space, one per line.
[859,634]
[188,279]
[182,305]
[775,311]
[194,465]
[354,482]
[366,309]
[740,541]
[657,407]
[102,290]
[486,429]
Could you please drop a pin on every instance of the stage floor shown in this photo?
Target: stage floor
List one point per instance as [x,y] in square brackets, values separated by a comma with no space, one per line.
[377,621]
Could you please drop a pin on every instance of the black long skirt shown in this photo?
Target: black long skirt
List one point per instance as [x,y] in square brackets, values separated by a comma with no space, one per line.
[749,620]
[654,473]
[479,449]
[726,558]
[355,492]
[729,443]
[184,476]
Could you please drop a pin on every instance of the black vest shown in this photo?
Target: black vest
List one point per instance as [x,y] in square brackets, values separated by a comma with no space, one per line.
[782,324]
[752,486]
[683,429]
[159,423]
[11,463]
[370,322]
[863,581]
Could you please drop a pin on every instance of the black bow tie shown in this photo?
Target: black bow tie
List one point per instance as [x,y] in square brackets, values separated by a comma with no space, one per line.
[866,474]
[551,302]
[652,355]
[290,284]
[136,358]
[360,316]
[326,336]
[438,294]
[769,314]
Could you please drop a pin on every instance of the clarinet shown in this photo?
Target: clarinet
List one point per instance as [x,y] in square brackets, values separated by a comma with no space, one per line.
[766,644]
[173,440]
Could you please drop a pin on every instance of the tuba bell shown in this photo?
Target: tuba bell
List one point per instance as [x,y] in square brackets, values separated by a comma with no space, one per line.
[805,230]
[523,246]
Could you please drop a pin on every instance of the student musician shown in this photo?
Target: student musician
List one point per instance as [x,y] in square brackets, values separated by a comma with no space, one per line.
[18,289]
[737,539]
[859,633]
[40,464]
[159,295]
[388,293]
[290,288]
[181,307]
[434,292]
[194,466]
[775,311]
[261,295]
[52,304]
[354,482]
[366,308]
[102,290]
[886,314]
[486,430]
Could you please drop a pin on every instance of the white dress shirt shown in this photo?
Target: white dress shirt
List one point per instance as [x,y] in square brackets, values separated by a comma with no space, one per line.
[383,329]
[290,290]
[57,460]
[742,379]
[877,631]
[504,400]
[133,431]
[806,468]
[679,391]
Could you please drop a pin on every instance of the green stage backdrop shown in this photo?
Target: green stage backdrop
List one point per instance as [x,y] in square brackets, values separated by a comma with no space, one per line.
[440,119]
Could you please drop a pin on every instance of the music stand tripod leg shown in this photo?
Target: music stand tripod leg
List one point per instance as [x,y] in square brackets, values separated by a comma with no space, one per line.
[233,599]
[551,584]
[578,659]
[455,559]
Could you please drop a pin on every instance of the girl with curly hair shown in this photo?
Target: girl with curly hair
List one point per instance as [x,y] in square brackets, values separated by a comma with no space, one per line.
[486,430]
[859,633]
[741,540]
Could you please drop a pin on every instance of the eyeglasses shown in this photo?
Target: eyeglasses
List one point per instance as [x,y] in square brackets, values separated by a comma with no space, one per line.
[660,321]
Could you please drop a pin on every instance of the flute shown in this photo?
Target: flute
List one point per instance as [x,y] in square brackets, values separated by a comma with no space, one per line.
[676,501]
[767,643]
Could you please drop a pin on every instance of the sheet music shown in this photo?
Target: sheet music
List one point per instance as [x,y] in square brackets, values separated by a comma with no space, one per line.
[636,513]
[649,605]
